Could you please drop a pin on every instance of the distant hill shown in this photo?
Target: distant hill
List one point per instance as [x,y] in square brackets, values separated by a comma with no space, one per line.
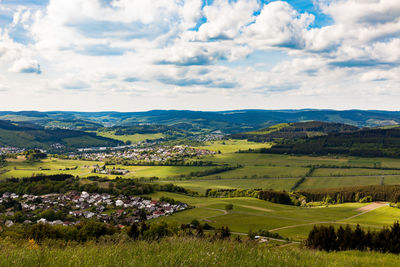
[26,135]
[228,122]
[294,130]
[364,142]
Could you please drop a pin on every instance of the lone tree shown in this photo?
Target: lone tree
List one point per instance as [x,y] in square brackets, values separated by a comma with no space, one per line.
[229,207]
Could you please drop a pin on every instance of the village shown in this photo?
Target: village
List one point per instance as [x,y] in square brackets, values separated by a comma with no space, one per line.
[73,207]
[10,150]
[149,154]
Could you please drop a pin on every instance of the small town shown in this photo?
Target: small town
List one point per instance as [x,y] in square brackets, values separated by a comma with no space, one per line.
[149,154]
[74,207]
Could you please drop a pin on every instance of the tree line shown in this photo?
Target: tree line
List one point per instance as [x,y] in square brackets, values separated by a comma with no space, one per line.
[62,183]
[328,239]
[389,193]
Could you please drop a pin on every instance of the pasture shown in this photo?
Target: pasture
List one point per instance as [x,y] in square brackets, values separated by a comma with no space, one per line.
[20,168]
[201,186]
[289,221]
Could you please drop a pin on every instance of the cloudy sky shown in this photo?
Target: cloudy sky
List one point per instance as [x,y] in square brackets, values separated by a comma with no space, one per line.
[134,55]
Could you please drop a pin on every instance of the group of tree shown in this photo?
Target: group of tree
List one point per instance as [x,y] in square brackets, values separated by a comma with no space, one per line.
[159,230]
[232,193]
[62,183]
[3,161]
[328,239]
[389,193]
[82,232]
[34,155]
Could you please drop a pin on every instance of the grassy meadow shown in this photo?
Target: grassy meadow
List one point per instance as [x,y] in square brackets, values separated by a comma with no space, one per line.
[185,252]
[290,221]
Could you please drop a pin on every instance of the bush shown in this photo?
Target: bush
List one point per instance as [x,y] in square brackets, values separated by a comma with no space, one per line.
[229,207]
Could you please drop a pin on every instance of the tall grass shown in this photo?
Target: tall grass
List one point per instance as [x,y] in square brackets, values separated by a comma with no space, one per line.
[183,252]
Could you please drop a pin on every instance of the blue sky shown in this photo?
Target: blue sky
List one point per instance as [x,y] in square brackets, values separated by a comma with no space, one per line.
[133,55]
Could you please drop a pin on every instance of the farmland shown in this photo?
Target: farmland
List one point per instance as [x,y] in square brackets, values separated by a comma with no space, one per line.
[20,168]
[256,171]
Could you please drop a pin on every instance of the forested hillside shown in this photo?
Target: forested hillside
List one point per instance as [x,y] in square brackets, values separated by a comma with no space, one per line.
[294,130]
[234,121]
[365,142]
[26,135]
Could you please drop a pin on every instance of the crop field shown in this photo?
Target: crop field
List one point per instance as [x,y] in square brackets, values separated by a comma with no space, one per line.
[255,159]
[331,182]
[265,183]
[289,221]
[349,172]
[261,172]
[20,168]
[161,171]
[230,146]
[134,138]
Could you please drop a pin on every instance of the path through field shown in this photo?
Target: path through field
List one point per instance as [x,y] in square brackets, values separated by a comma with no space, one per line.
[368,208]
[364,210]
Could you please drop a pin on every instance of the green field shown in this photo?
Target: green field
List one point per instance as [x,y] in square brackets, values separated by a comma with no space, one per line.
[134,138]
[331,182]
[290,221]
[21,168]
[349,172]
[261,172]
[230,146]
[264,183]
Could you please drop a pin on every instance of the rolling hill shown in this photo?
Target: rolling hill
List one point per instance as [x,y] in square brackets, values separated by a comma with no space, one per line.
[294,130]
[228,122]
[26,135]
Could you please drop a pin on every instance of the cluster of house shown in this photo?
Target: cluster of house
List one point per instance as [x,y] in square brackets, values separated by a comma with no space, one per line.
[217,135]
[77,206]
[10,150]
[151,154]
[104,170]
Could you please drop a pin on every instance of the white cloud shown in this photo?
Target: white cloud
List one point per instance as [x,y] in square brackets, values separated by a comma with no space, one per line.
[25,66]
[135,50]
[236,16]
[278,25]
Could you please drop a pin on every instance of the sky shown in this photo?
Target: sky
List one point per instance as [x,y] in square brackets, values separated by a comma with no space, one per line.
[137,55]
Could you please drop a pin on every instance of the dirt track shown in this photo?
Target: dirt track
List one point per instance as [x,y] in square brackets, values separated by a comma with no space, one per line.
[372,206]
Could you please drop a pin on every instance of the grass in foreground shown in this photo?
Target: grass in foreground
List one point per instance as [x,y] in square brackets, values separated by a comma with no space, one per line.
[185,252]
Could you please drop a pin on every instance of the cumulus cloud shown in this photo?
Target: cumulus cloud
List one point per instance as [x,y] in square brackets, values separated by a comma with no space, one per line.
[245,48]
[25,66]
[236,16]
[278,25]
